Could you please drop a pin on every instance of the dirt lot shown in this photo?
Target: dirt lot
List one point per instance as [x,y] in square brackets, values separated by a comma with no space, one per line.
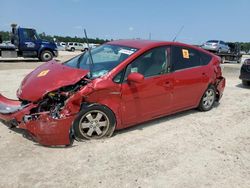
[189,149]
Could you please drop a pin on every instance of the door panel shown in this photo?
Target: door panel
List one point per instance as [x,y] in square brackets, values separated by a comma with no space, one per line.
[189,86]
[152,97]
[190,77]
[28,40]
[143,101]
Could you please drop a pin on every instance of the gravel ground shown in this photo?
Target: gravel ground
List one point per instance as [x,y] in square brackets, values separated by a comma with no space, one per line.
[189,149]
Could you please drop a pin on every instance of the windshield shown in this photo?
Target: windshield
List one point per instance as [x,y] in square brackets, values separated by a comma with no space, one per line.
[105,58]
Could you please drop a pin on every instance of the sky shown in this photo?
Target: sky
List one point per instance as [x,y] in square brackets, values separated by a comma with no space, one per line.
[201,20]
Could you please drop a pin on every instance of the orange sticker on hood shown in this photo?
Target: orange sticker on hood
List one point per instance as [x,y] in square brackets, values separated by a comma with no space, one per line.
[43,73]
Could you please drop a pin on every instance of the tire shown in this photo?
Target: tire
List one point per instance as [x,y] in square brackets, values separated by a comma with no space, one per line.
[219,50]
[46,55]
[208,99]
[72,49]
[245,83]
[94,122]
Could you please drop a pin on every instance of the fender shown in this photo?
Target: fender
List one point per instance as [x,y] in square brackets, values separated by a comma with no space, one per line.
[48,46]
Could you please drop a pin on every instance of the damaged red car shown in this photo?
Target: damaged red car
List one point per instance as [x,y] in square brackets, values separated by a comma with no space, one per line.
[114,86]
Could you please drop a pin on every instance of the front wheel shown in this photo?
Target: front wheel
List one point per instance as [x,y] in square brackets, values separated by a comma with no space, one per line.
[208,99]
[46,56]
[94,122]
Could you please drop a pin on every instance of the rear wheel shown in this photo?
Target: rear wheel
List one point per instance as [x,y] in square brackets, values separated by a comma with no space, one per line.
[94,122]
[46,56]
[208,99]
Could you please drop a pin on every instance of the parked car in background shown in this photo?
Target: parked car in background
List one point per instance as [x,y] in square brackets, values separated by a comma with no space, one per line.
[245,73]
[93,45]
[60,47]
[63,44]
[72,46]
[126,82]
[216,46]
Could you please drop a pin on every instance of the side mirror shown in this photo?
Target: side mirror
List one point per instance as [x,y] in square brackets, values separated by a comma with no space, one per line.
[135,77]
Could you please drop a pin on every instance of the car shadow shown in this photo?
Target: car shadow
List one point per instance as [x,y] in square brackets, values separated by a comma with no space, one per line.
[243,86]
[167,118]
[23,132]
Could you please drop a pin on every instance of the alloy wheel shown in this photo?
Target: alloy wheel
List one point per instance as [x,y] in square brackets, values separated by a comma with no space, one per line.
[208,99]
[94,124]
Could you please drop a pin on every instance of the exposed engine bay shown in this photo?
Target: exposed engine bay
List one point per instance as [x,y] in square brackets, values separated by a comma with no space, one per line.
[54,102]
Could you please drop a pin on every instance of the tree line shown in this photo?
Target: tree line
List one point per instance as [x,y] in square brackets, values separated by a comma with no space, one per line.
[6,37]
[245,46]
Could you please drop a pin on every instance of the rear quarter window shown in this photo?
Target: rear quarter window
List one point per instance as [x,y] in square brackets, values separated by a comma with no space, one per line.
[205,58]
[183,58]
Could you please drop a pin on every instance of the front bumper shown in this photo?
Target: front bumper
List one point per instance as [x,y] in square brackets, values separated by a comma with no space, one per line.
[43,128]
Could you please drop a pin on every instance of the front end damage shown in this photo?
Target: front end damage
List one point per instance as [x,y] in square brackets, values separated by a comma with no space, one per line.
[48,120]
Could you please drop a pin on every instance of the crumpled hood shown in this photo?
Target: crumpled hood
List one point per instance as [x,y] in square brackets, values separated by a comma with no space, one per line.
[48,77]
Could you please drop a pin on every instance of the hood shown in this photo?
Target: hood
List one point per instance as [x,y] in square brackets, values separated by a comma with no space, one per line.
[47,43]
[48,77]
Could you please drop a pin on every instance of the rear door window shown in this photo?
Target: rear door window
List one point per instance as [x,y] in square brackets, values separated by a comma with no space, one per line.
[183,58]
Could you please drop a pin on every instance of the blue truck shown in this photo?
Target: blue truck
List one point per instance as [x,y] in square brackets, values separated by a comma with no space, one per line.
[25,42]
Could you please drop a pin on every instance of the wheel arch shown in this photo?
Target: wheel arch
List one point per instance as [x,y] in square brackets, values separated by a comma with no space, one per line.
[46,49]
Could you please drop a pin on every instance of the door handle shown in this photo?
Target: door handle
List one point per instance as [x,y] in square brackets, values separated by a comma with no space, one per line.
[168,84]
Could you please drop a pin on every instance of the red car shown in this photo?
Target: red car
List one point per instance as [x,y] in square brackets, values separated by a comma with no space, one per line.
[116,85]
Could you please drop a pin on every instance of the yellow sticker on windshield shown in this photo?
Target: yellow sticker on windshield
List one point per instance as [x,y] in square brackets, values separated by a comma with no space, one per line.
[43,73]
[185,54]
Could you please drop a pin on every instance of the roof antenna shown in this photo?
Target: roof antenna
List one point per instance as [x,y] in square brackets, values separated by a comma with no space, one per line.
[90,54]
[178,33]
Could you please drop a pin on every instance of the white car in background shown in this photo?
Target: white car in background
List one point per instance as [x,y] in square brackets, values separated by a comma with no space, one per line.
[63,44]
[60,47]
[72,46]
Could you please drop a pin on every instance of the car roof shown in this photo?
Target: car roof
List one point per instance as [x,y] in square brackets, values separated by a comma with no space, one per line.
[147,44]
[139,44]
